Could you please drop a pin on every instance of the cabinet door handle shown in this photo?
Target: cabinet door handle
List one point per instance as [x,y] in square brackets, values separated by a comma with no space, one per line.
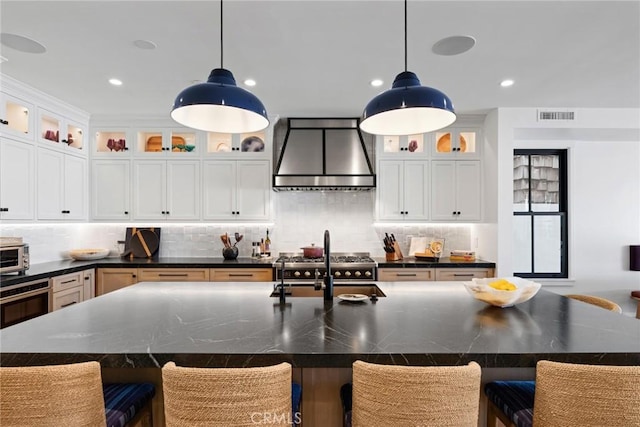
[66,212]
[86,278]
[126,212]
[4,122]
[462,275]
[173,275]
[67,305]
[406,274]
[240,274]
[67,281]
[133,275]
[163,212]
[4,209]
[168,213]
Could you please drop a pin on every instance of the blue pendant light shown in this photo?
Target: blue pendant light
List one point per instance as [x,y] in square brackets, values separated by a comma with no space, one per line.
[219,105]
[407,108]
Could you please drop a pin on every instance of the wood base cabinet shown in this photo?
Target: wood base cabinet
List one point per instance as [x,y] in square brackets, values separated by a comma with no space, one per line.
[112,279]
[173,274]
[406,274]
[241,274]
[73,288]
[463,274]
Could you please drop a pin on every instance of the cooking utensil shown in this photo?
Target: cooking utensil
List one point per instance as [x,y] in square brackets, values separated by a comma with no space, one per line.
[312,251]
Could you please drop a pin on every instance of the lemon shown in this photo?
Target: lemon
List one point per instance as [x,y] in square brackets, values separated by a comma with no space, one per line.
[503,285]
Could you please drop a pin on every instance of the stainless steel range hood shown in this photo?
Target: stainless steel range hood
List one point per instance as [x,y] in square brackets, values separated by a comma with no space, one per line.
[323,155]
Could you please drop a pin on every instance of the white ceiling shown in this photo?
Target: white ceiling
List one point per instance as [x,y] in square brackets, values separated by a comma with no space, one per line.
[316,58]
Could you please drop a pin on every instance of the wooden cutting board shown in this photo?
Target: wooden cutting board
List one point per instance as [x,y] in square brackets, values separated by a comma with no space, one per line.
[144,244]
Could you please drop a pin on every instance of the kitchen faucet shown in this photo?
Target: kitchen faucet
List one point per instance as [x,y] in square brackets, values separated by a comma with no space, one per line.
[327,284]
[328,278]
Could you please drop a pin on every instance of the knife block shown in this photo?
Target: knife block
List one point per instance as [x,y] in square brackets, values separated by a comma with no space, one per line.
[396,255]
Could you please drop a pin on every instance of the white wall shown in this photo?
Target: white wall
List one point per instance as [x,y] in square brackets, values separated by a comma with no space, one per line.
[604,195]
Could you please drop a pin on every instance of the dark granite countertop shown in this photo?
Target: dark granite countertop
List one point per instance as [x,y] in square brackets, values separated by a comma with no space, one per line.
[412,262]
[211,324]
[58,268]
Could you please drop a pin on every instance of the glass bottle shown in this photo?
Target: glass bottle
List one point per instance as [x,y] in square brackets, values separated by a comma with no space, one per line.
[267,244]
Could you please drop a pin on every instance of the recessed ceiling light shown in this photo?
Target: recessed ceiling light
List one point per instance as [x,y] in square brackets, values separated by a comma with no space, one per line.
[507,83]
[454,45]
[250,82]
[376,82]
[21,43]
[115,82]
[144,44]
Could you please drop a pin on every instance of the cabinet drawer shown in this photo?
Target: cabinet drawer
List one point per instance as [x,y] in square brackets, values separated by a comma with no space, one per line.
[112,279]
[173,274]
[463,274]
[405,274]
[241,274]
[68,297]
[60,283]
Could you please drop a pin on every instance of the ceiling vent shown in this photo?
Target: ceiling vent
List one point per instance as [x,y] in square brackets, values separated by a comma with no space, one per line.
[555,115]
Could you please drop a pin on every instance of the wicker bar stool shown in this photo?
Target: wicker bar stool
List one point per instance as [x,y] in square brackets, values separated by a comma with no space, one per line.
[569,395]
[199,397]
[598,301]
[442,396]
[71,395]
[62,395]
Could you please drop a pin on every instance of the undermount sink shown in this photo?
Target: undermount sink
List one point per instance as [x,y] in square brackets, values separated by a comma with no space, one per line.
[307,290]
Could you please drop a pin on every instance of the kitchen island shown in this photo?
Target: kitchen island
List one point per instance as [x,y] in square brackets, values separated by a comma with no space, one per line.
[207,324]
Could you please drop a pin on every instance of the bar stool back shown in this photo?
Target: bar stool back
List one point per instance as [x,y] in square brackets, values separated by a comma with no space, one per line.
[442,396]
[598,301]
[62,395]
[569,395]
[199,397]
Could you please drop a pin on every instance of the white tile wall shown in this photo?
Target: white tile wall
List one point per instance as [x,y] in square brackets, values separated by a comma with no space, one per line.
[301,218]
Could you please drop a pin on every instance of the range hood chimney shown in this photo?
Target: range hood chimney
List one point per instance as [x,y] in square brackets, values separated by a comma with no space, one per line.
[323,154]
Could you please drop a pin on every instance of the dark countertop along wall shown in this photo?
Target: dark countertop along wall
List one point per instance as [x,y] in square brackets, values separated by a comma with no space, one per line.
[57,268]
[210,324]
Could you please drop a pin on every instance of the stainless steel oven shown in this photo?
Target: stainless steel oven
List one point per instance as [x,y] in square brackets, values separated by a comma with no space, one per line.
[24,301]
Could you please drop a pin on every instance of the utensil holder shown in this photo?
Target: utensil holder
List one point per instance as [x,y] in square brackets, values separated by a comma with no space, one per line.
[230,253]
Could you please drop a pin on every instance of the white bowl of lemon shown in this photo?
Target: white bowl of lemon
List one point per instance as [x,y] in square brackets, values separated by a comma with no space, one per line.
[502,292]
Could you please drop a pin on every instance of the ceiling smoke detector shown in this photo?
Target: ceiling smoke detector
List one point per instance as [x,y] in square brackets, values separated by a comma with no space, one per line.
[21,43]
[454,45]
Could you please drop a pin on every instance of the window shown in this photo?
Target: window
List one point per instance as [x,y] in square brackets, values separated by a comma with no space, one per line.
[540,213]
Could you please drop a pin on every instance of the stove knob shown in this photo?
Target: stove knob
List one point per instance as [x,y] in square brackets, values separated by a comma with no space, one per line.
[367,274]
[337,274]
[347,274]
[358,274]
[297,274]
[307,274]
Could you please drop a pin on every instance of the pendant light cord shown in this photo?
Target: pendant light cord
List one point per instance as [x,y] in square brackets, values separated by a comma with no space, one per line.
[405,35]
[221,44]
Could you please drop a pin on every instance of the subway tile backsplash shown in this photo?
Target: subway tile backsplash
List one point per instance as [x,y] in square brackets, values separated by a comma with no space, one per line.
[300,220]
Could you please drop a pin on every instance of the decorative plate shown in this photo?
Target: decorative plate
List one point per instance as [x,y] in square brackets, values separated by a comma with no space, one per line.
[353,297]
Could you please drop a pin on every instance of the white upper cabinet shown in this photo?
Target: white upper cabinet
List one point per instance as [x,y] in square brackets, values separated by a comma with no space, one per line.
[236,190]
[409,147]
[112,143]
[16,117]
[175,143]
[166,190]
[456,143]
[110,190]
[254,145]
[403,190]
[61,133]
[17,178]
[455,190]
[61,186]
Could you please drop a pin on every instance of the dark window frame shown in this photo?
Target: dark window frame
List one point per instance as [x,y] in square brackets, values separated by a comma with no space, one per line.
[562,213]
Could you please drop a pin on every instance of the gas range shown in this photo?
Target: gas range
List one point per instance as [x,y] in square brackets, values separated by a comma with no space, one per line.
[347,267]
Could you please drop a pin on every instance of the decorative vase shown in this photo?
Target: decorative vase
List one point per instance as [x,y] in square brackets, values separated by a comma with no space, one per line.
[230,253]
